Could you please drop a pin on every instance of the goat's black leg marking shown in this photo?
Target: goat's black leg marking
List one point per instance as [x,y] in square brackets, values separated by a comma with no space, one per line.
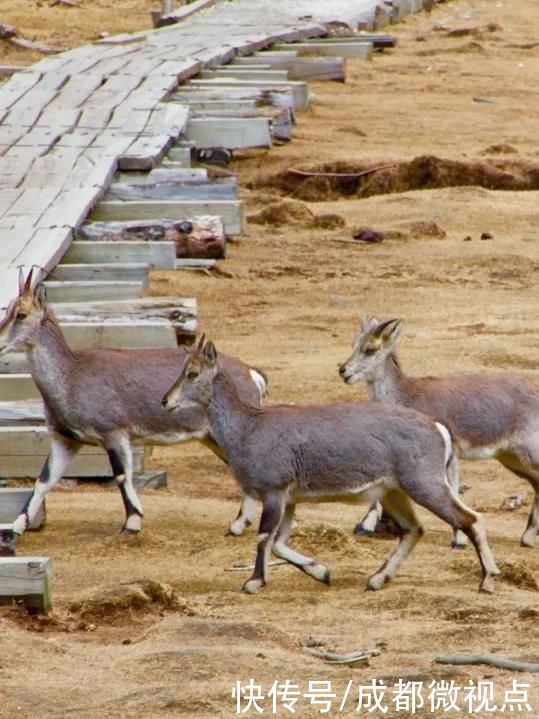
[272,512]
[133,510]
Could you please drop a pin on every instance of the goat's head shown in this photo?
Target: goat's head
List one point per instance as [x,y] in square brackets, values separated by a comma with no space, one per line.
[20,325]
[374,342]
[194,385]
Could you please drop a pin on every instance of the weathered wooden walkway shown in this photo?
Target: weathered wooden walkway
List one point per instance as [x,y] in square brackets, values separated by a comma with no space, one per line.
[69,122]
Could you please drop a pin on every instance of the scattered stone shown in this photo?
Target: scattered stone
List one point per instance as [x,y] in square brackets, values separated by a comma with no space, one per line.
[486,236]
[528,613]
[487,100]
[514,501]
[463,31]
[468,238]
[7,31]
[364,234]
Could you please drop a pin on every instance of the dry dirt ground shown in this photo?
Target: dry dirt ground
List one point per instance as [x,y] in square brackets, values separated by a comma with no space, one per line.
[155,626]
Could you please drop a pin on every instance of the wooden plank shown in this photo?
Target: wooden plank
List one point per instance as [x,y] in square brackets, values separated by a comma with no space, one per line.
[358,49]
[122,272]
[160,255]
[21,413]
[25,447]
[176,174]
[180,155]
[201,236]
[232,133]
[14,363]
[27,580]
[216,190]
[14,499]
[17,386]
[299,90]
[278,98]
[309,68]
[183,13]
[126,333]
[245,74]
[231,211]
[17,87]
[79,291]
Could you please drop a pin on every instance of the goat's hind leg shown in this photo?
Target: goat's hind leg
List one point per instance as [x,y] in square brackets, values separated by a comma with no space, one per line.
[525,464]
[444,503]
[399,507]
[272,514]
[310,566]
[367,525]
[62,452]
[459,540]
[118,448]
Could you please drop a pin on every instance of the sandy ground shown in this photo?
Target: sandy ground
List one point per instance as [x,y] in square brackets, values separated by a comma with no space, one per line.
[155,626]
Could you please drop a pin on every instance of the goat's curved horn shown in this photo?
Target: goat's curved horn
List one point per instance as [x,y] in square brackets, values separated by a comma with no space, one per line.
[27,288]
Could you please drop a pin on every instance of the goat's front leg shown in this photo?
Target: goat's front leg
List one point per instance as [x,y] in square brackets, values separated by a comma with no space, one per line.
[246,516]
[272,514]
[310,566]
[62,452]
[120,454]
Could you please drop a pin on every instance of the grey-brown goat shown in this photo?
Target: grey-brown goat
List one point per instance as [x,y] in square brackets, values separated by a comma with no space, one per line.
[287,454]
[488,415]
[107,397]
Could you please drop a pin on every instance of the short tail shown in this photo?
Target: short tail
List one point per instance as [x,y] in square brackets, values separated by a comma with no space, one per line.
[448,442]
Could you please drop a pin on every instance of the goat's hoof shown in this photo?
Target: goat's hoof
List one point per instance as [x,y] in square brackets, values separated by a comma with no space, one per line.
[252,586]
[376,582]
[457,545]
[487,585]
[230,532]
[319,572]
[527,541]
[8,543]
[360,530]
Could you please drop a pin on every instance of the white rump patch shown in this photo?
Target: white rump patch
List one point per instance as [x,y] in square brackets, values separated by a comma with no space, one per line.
[259,381]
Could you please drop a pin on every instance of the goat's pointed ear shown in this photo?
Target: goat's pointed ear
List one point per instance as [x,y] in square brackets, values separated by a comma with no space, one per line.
[210,353]
[389,330]
[40,295]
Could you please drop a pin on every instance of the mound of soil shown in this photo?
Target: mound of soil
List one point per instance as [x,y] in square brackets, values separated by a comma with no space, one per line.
[119,601]
[425,172]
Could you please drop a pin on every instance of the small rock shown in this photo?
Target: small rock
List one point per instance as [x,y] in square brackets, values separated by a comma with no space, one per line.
[468,238]
[7,31]
[486,236]
[126,642]
[364,234]
[513,502]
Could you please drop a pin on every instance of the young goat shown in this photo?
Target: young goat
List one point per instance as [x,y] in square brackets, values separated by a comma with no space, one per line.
[488,415]
[107,397]
[287,454]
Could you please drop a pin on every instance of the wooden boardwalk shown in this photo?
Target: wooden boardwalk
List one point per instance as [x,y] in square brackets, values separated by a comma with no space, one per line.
[69,122]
